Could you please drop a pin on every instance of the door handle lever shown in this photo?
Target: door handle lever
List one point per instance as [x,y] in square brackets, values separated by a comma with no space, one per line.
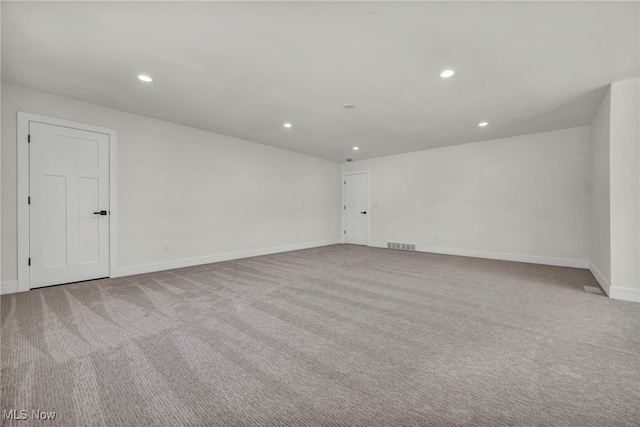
[100,213]
[365,212]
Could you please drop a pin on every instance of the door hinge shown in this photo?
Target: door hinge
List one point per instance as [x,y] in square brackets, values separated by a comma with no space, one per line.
[29,200]
[29,261]
[28,138]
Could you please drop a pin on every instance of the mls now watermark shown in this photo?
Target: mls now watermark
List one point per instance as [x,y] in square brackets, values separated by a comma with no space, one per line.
[24,414]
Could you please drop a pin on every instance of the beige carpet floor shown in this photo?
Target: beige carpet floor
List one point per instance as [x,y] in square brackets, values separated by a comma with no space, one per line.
[334,336]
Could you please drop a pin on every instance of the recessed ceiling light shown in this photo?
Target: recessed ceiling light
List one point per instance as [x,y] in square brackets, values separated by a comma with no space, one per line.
[288,125]
[356,148]
[145,79]
[447,73]
[483,124]
[348,106]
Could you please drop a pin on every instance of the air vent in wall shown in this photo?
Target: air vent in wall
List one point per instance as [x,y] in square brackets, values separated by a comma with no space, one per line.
[401,246]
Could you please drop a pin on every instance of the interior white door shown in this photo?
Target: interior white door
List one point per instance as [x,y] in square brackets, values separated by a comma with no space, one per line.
[69,205]
[355,212]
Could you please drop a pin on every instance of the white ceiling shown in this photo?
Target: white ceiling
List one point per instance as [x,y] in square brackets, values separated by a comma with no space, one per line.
[243,69]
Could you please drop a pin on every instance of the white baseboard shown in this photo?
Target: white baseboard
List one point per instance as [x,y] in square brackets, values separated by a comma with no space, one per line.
[376,244]
[626,294]
[615,292]
[9,287]
[600,278]
[532,259]
[189,262]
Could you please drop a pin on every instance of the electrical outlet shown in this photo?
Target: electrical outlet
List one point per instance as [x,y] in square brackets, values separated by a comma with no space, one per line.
[167,246]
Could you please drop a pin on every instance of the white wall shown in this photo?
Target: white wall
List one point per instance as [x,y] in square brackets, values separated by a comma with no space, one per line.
[215,197]
[625,189]
[523,198]
[600,208]
[209,195]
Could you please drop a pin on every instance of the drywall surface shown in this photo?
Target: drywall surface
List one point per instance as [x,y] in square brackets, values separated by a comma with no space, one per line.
[625,187]
[600,209]
[526,196]
[202,193]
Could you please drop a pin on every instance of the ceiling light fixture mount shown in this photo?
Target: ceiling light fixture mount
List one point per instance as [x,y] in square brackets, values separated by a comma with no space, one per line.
[348,106]
[145,78]
[447,73]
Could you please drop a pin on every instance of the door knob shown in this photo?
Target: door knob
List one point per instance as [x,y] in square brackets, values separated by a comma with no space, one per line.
[365,212]
[100,213]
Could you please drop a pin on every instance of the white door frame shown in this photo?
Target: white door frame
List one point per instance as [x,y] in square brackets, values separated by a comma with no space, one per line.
[344,203]
[24,279]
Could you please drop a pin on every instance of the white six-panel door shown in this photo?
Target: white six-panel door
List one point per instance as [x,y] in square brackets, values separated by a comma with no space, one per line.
[68,188]
[355,217]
